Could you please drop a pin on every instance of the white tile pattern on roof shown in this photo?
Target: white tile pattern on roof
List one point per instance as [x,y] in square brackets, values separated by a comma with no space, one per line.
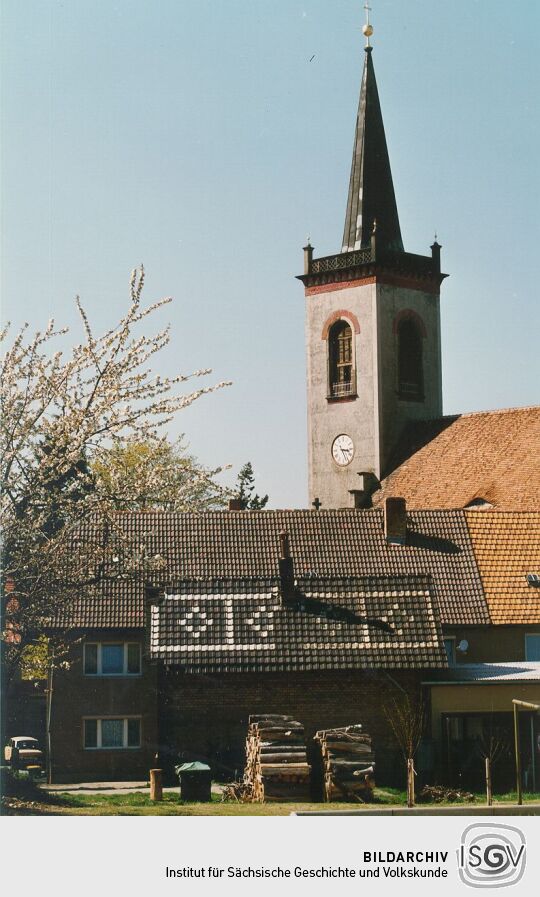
[329,623]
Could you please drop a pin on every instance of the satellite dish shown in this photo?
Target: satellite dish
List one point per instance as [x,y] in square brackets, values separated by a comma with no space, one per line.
[463,646]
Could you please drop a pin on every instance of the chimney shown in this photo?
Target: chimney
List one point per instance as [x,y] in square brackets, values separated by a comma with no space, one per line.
[367,486]
[395,521]
[235,504]
[286,567]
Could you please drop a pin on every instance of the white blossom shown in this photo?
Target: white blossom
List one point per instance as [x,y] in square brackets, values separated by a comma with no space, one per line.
[63,414]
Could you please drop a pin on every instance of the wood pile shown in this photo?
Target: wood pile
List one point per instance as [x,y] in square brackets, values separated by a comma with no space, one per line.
[276,759]
[438,793]
[348,764]
[237,791]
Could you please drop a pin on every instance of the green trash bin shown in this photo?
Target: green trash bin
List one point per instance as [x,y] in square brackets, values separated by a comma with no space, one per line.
[195,781]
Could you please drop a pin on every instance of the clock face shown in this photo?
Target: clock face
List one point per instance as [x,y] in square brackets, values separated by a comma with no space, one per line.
[343,450]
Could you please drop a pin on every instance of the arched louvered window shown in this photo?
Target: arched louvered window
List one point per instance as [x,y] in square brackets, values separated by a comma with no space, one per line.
[410,361]
[342,380]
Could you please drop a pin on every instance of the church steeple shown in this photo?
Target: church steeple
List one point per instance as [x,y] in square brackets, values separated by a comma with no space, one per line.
[371,198]
[372,328]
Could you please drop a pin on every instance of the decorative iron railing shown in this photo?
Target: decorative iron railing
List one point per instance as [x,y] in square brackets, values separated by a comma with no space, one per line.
[341,260]
[402,261]
[343,389]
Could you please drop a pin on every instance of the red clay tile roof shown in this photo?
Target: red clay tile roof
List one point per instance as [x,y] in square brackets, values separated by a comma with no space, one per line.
[507,547]
[453,461]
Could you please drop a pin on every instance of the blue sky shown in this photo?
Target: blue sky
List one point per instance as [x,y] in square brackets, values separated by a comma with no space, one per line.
[208,140]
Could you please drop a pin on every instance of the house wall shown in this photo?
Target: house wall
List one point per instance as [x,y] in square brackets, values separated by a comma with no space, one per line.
[483,698]
[492,644]
[76,696]
[206,717]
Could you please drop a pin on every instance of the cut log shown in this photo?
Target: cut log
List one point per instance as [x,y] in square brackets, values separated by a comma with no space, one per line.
[265,717]
[273,746]
[348,747]
[347,765]
[284,758]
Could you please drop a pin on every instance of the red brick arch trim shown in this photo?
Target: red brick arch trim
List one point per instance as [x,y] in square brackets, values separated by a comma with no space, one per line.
[341,315]
[407,314]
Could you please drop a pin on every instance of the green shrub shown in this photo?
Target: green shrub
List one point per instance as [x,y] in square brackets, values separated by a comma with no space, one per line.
[18,783]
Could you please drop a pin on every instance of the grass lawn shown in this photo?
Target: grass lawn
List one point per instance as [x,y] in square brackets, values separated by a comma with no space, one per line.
[139,804]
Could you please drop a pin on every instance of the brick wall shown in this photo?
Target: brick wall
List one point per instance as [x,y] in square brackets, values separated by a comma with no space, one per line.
[206,717]
[76,696]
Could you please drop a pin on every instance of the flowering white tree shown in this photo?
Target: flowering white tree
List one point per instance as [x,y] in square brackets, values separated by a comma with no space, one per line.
[155,474]
[61,417]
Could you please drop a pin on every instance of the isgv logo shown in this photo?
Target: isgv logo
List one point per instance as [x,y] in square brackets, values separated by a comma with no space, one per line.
[491,856]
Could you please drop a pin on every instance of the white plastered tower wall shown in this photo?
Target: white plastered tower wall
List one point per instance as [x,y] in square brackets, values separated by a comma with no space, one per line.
[327,417]
[375,416]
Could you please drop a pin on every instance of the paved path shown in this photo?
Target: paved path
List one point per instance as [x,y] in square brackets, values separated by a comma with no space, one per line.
[113,788]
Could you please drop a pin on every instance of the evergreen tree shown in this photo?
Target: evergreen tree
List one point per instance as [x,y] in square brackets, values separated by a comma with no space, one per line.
[245,490]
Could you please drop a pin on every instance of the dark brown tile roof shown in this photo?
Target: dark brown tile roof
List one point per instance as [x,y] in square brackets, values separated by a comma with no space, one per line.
[453,461]
[335,544]
[507,548]
[227,626]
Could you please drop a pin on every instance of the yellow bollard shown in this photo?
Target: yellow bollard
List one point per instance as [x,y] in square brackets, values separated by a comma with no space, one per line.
[156,786]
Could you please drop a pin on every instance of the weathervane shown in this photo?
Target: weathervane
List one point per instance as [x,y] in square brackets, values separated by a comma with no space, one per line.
[368,27]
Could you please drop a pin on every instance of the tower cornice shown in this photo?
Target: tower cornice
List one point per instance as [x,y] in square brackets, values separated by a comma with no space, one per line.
[343,267]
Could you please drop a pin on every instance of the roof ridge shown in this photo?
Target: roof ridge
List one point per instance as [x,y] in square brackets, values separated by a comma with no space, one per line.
[491,411]
[266,512]
[489,512]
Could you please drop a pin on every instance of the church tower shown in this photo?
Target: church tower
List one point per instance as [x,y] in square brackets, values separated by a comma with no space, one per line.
[372,327]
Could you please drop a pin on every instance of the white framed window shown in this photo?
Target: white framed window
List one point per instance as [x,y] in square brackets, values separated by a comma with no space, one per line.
[341,368]
[112,659]
[111,733]
[532,646]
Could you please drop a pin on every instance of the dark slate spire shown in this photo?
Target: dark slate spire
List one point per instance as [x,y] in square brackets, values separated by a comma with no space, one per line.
[371,190]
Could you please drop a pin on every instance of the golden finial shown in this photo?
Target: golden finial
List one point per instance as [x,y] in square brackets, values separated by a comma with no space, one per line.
[367,30]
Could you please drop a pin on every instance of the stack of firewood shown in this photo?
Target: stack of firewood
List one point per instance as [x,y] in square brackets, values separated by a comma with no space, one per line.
[348,764]
[276,760]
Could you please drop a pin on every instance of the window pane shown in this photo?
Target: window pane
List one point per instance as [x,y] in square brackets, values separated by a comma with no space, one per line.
[90,733]
[134,658]
[340,360]
[474,727]
[449,647]
[532,647]
[454,728]
[134,732]
[112,659]
[90,659]
[112,733]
